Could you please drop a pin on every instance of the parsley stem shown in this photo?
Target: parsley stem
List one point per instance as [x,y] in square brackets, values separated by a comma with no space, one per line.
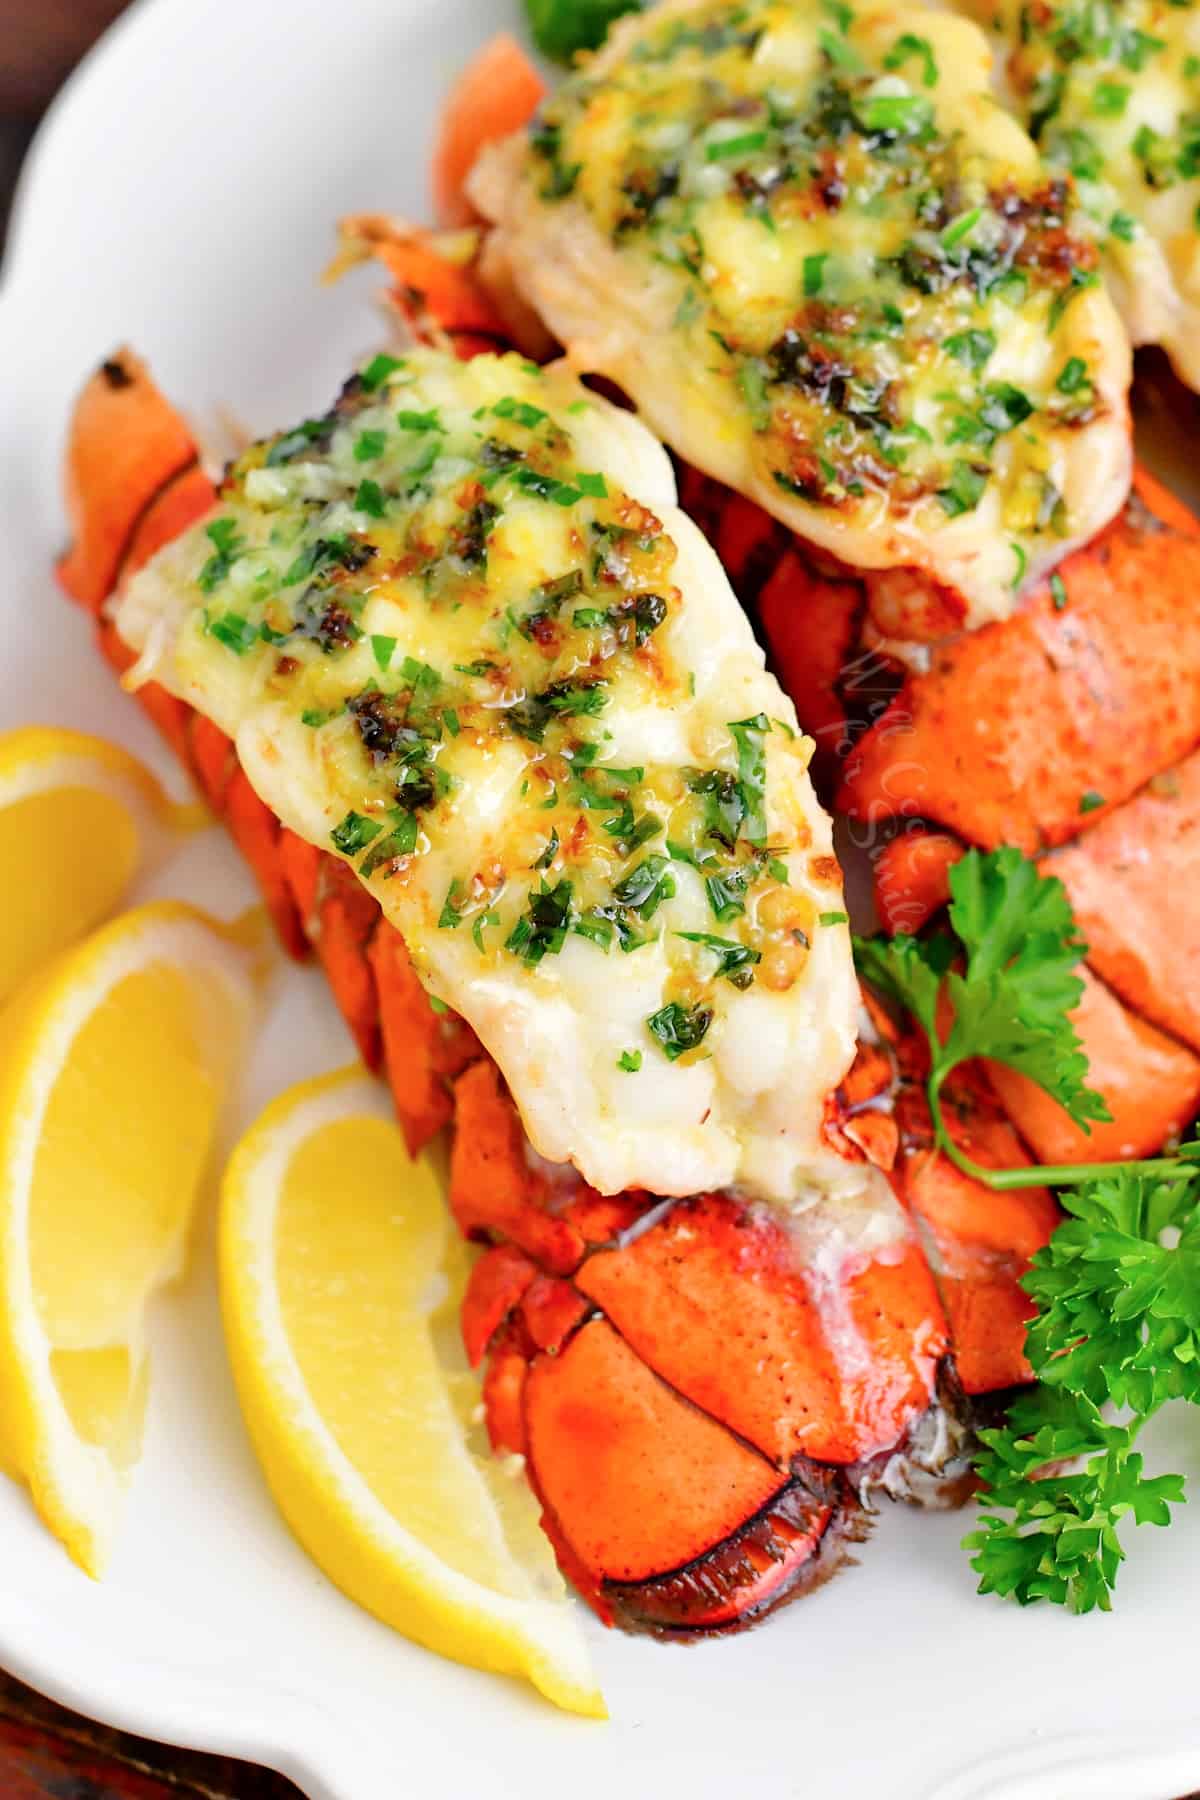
[1037,1174]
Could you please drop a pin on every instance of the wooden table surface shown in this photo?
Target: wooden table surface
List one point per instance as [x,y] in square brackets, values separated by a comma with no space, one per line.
[46,1752]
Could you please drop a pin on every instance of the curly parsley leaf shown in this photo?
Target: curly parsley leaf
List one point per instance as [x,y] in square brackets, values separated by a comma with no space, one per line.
[1118,1328]
[1014,999]
[1117,1288]
[561,27]
[1118,1292]
[908,971]
[1059,1481]
[1001,985]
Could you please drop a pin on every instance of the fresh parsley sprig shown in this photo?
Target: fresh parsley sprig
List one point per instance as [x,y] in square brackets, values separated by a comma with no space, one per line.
[1000,984]
[1117,1330]
[562,27]
[1118,1327]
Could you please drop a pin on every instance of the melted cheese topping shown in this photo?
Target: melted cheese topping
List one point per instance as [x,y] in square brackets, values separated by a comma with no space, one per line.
[462,636]
[833,273]
[1111,93]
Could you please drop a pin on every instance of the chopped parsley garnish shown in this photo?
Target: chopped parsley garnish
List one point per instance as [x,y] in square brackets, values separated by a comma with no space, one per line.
[542,929]
[902,115]
[960,229]
[420,421]
[679,1028]
[1090,801]
[814,273]
[630,1061]
[727,892]
[546,487]
[400,841]
[1058,591]
[1110,98]
[235,632]
[482,924]
[227,547]
[744,144]
[645,888]
[973,348]
[1072,376]
[1081,279]
[907,46]
[735,962]
[310,434]
[1022,562]
[450,917]
[520,411]
[833,918]
[369,499]
[840,52]
[354,833]
[964,490]
[369,445]
[379,369]
[749,735]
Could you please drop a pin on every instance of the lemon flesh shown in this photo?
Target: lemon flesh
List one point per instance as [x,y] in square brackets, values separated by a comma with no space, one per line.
[341,1275]
[78,820]
[114,1066]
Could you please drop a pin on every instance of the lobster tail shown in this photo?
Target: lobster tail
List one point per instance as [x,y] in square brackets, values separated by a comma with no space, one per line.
[684,1492]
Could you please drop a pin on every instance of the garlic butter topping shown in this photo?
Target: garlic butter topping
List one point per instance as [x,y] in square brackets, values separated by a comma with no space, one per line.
[833,273]
[464,639]
[1110,91]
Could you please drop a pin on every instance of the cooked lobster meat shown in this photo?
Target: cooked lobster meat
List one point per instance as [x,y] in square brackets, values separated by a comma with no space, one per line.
[1112,96]
[831,272]
[1105,791]
[1101,648]
[462,636]
[703,1388]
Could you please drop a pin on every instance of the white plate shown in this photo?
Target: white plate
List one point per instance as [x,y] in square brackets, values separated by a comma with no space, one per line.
[181,197]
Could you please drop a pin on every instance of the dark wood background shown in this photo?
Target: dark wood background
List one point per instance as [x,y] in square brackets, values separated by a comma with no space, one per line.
[47,1753]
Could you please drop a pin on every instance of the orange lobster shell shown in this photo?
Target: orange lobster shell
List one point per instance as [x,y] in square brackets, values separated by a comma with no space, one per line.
[701,1401]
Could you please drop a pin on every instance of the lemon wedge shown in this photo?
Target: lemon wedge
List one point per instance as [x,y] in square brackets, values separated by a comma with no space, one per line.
[78,819]
[114,1064]
[341,1274]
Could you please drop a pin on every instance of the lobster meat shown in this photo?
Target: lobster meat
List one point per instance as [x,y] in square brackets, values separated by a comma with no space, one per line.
[685,1491]
[923,752]
[922,763]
